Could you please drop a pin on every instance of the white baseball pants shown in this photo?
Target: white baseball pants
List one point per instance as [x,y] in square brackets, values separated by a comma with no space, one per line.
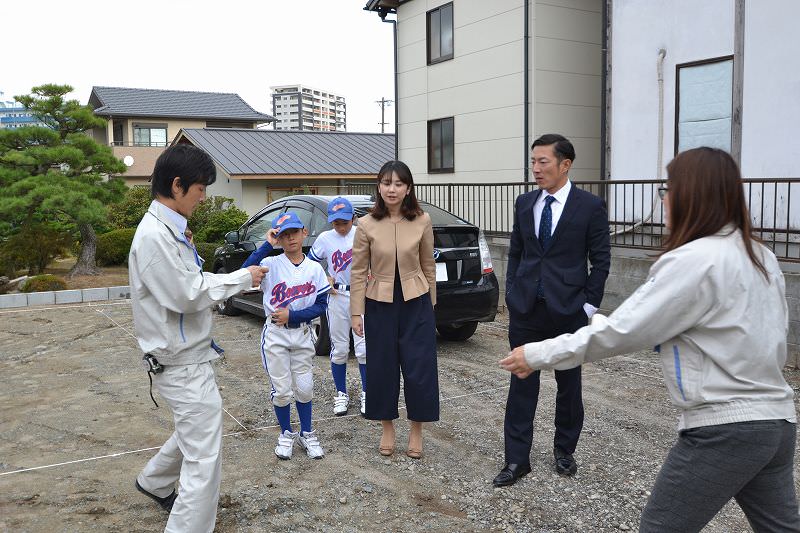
[339,326]
[192,455]
[288,355]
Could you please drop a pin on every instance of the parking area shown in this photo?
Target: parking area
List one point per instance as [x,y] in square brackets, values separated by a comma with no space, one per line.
[77,425]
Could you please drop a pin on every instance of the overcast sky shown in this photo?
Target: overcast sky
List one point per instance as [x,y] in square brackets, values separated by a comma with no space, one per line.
[241,46]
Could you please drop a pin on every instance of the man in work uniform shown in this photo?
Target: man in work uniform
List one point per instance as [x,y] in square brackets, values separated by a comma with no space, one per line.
[172,299]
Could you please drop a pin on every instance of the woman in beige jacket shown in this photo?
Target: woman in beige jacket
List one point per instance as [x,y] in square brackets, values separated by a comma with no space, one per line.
[393,287]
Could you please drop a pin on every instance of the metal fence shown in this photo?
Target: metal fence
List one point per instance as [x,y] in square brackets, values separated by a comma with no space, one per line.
[635,213]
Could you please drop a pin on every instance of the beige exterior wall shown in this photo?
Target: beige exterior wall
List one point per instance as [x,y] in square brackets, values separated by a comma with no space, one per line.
[567,68]
[482,87]
[144,157]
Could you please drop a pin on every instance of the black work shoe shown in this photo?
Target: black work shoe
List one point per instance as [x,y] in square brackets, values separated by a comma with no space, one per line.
[564,462]
[510,474]
[165,503]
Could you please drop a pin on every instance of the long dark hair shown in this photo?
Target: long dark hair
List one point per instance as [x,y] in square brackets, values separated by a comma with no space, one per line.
[410,207]
[706,193]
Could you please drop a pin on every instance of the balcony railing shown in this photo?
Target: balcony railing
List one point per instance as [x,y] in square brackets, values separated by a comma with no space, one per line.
[635,213]
[161,144]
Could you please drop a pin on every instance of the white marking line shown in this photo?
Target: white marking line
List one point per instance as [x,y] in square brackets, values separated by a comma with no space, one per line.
[236,433]
[134,338]
[117,324]
[64,306]
[230,415]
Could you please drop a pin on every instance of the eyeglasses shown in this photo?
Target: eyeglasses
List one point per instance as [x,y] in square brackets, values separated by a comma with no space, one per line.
[662,191]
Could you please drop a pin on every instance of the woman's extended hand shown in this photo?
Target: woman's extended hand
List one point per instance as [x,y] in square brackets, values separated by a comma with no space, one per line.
[516,363]
[357,323]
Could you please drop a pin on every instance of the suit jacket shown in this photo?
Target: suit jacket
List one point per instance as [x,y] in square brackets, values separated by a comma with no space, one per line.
[376,245]
[582,233]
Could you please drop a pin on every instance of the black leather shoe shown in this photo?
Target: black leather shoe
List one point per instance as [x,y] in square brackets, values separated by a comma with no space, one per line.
[165,503]
[510,474]
[564,462]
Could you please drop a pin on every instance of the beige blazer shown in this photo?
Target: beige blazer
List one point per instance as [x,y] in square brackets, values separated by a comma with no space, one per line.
[376,245]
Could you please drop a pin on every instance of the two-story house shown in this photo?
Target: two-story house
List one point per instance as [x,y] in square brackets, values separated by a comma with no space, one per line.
[142,122]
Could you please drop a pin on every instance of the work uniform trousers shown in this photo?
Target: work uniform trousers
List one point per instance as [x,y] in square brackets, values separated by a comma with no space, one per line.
[401,337]
[340,326]
[752,462]
[523,394]
[192,455]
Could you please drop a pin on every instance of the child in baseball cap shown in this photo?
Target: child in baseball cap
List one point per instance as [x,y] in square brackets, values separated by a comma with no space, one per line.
[335,247]
[295,292]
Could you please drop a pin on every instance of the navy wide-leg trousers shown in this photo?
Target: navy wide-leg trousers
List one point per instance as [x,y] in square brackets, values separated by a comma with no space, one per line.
[401,337]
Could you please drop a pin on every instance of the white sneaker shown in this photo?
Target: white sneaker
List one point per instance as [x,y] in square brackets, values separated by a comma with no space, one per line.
[310,442]
[363,403]
[285,444]
[340,403]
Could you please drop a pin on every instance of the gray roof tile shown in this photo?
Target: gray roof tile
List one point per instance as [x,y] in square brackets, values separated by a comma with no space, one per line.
[241,151]
[124,101]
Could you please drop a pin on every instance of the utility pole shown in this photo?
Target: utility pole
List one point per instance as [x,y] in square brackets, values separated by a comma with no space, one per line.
[384,103]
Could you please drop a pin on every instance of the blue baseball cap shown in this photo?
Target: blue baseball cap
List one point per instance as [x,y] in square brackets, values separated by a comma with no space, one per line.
[340,209]
[287,220]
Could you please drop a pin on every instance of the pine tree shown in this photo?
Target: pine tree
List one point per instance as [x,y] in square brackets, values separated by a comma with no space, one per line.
[57,177]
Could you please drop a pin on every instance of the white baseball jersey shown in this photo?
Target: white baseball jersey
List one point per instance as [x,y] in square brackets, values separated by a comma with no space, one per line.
[291,286]
[338,251]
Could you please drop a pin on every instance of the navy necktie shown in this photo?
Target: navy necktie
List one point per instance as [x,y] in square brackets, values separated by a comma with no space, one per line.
[546,222]
[545,234]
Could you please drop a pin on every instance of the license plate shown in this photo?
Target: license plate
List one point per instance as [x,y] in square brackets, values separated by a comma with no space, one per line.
[441,271]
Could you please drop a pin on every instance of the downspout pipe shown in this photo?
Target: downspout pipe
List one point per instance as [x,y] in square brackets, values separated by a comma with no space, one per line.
[526,97]
[662,53]
[604,98]
[396,102]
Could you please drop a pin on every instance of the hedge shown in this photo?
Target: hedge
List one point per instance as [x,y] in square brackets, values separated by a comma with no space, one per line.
[113,247]
[44,282]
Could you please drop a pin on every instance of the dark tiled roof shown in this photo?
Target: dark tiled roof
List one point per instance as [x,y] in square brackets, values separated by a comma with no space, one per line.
[240,151]
[122,101]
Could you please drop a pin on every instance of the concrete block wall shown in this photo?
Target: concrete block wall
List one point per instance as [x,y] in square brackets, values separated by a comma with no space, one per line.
[629,269]
[8,301]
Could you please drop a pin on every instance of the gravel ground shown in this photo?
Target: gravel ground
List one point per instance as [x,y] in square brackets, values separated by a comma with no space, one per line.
[73,392]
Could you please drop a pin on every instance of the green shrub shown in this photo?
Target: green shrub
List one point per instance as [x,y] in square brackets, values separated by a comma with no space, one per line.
[214,218]
[33,247]
[44,282]
[113,247]
[206,251]
[129,212]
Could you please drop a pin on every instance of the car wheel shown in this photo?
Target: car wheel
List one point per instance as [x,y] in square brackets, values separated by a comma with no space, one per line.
[226,307]
[457,332]
[322,344]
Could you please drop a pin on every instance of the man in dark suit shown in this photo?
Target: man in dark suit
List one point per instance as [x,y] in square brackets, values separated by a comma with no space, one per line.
[549,292]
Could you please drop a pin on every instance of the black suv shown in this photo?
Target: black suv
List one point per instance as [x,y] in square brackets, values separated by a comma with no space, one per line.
[466,287]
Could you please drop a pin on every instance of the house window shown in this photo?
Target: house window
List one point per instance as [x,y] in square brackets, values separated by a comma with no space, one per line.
[149,135]
[704,104]
[440,34]
[441,145]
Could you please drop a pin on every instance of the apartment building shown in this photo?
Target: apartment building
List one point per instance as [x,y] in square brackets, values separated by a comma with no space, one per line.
[299,107]
[478,81]
[14,115]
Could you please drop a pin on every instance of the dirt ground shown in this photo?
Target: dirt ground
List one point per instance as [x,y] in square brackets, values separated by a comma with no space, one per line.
[77,425]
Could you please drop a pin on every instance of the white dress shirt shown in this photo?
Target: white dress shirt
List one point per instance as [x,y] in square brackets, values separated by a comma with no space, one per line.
[557,207]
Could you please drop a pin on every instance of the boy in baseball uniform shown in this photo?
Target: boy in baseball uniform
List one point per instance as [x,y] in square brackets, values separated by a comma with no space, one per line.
[336,246]
[295,292]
